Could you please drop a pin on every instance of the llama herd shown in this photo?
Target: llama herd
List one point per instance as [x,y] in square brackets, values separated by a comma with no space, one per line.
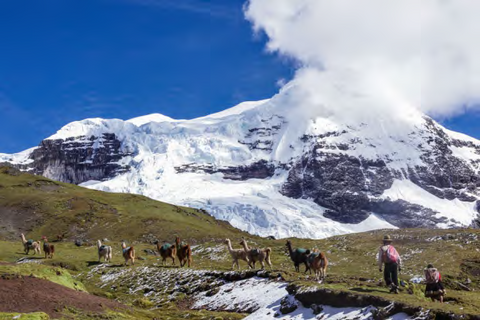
[313,259]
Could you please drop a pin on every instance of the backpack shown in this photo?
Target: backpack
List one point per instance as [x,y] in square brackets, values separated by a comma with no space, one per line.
[432,275]
[389,255]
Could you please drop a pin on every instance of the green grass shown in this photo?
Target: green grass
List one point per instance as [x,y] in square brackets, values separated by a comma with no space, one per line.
[57,275]
[24,316]
[352,265]
[52,208]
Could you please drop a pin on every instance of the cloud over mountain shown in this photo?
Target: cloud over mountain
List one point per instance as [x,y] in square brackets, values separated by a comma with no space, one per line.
[400,54]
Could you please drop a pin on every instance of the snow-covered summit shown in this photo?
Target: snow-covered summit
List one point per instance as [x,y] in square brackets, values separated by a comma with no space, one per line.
[154,117]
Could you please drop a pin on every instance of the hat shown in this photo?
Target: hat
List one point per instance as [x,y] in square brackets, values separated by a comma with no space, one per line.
[387,238]
[430,266]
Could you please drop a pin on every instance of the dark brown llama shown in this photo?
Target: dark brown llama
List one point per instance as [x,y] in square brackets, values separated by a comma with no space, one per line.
[49,249]
[167,250]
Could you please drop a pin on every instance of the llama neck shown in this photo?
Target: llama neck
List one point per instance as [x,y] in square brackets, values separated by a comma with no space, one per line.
[99,243]
[23,238]
[245,246]
[289,247]
[229,246]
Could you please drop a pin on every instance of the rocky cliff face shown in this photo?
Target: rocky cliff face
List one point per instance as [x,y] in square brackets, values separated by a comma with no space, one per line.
[265,174]
[79,159]
[350,187]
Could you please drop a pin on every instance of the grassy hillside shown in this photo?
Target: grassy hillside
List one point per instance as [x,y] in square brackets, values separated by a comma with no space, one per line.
[38,206]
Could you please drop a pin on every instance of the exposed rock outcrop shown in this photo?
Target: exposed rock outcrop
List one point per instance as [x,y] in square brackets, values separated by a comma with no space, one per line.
[79,159]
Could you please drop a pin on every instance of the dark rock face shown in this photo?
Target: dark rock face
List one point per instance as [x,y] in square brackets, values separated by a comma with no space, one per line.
[338,182]
[443,174]
[349,187]
[257,170]
[76,160]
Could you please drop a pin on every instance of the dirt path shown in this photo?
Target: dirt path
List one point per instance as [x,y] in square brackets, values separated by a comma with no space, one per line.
[28,294]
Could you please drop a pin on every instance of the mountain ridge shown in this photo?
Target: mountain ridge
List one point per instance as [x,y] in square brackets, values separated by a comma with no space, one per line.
[269,171]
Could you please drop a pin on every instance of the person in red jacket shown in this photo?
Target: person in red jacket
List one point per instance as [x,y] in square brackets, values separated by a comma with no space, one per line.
[434,288]
[388,256]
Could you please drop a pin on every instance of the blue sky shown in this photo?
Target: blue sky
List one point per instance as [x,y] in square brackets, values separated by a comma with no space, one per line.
[62,61]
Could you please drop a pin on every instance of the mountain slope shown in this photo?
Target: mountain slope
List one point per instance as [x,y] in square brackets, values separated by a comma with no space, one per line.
[38,206]
[271,171]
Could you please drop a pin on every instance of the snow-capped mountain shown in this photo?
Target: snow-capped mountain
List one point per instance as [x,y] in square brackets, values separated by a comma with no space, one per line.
[269,172]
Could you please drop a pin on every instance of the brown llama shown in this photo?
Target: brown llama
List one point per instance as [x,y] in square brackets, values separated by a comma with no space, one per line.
[30,245]
[167,251]
[255,254]
[237,254]
[128,253]
[49,249]
[318,262]
[61,237]
[184,253]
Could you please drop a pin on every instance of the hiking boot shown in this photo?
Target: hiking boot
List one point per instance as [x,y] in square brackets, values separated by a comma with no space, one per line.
[394,289]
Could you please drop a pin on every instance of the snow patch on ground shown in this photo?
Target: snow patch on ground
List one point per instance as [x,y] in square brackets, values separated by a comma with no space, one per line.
[242,296]
[262,298]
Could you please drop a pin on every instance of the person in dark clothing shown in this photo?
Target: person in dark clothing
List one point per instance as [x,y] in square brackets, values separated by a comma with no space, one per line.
[434,288]
[392,262]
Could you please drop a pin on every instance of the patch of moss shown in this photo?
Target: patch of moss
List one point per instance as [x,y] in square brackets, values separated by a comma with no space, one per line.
[53,274]
[24,316]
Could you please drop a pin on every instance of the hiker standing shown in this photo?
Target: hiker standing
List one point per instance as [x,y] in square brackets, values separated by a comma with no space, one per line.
[388,256]
[434,288]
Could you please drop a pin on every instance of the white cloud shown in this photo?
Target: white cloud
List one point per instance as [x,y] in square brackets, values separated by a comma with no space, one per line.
[419,53]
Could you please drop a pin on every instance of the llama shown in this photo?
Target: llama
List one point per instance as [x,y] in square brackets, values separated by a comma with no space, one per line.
[30,245]
[256,254]
[298,256]
[184,252]
[60,237]
[167,251]
[237,254]
[319,263]
[104,251]
[49,249]
[128,253]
